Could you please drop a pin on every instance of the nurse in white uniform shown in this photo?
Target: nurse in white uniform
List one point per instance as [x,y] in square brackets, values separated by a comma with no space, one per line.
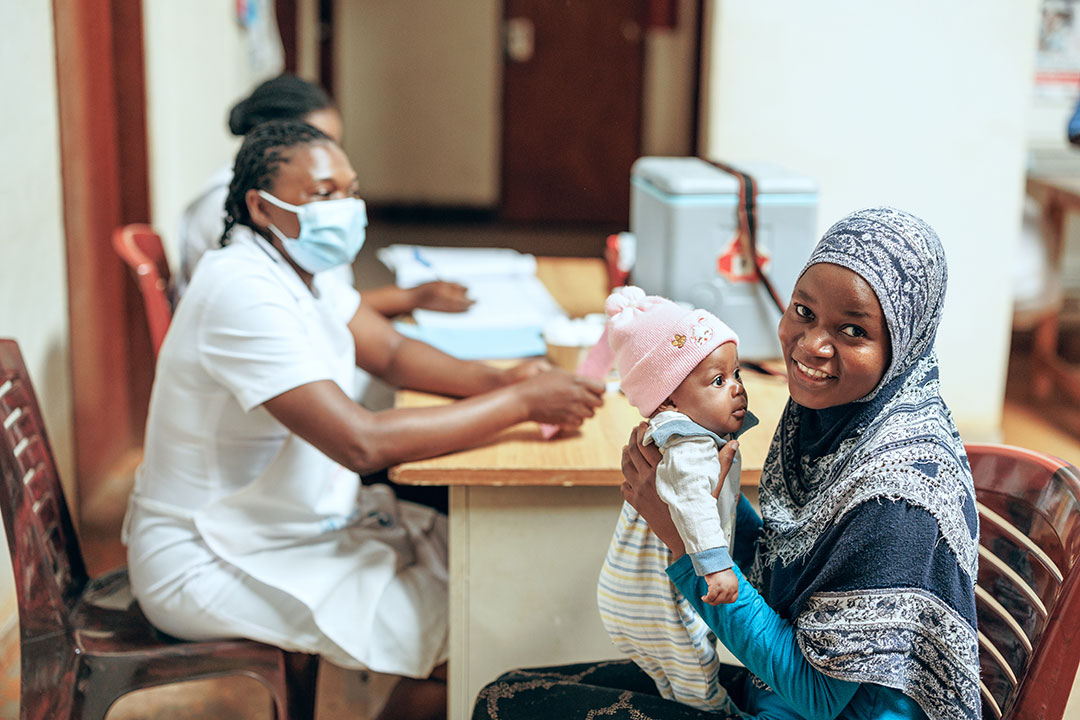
[248,518]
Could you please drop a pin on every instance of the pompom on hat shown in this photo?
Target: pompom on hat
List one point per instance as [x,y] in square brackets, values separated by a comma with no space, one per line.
[654,344]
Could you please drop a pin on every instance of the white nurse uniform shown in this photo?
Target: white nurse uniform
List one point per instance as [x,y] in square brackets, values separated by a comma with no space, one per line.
[238,527]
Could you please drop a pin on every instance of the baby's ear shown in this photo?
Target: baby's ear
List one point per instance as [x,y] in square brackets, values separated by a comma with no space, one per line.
[668,404]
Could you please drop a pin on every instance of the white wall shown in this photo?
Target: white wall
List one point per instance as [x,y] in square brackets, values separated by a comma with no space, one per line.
[418,86]
[198,64]
[922,105]
[33,284]
[668,96]
[307,40]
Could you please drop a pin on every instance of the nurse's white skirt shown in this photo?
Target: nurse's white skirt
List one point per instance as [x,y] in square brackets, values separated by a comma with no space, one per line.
[370,595]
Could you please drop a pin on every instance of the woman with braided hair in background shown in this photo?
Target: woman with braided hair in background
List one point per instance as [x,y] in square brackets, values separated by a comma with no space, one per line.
[288,97]
[248,518]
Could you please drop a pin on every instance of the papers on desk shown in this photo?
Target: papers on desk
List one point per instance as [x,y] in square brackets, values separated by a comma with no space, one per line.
[416,264]
[478,343]
[511,304]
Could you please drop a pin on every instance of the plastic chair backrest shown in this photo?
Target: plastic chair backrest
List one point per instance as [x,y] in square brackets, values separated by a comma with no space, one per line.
[49,569]
[85,643]
[140,247]
[1028,591]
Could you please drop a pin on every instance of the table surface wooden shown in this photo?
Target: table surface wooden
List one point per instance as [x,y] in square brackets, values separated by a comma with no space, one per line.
[1068,184]
[592,456]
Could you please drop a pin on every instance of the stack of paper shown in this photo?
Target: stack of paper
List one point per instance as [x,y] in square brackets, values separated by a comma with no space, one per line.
[478,343]
[416,264]
[511,304]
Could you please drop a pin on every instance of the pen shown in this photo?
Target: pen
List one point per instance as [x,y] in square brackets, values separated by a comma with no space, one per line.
[425,262]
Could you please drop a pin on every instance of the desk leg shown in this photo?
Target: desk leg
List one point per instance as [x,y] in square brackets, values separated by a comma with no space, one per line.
[1044,352]
[1049,372]
[524,562]
[460,704]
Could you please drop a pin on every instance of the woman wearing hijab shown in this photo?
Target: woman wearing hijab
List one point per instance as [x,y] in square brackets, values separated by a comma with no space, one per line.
[858,594]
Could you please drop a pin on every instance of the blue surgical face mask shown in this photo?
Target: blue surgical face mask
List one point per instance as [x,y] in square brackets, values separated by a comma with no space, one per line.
[331,231]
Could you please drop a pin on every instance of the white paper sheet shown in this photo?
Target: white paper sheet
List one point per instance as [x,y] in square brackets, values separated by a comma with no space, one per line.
[503,283]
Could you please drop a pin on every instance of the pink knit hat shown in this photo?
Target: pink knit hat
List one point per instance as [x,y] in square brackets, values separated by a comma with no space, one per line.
[654,343]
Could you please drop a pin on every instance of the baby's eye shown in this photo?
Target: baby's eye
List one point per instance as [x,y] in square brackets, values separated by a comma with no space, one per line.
[738,376]
[718,381]
[803,311]
[853,331]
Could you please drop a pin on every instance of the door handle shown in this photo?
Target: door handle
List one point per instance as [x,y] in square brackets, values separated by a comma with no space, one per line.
[520,39]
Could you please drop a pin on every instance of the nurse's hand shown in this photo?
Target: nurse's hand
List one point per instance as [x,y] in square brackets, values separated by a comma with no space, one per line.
[441,295]
[558,398]
[525,370]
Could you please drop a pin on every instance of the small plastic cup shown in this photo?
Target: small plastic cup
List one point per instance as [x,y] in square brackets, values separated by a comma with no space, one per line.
[570,339]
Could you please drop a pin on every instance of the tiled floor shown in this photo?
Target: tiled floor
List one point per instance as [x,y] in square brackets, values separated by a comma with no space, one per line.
[341,694]
[1053,428]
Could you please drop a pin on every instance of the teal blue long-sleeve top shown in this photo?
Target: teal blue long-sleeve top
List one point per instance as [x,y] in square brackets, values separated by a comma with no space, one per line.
[766,644]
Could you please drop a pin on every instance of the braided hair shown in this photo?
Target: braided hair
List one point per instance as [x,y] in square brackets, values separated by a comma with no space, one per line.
[264,150]
[285,97]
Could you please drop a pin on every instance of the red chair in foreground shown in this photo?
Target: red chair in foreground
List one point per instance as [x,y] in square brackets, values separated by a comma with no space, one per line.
[1028,591]
[140,247]
[84,642]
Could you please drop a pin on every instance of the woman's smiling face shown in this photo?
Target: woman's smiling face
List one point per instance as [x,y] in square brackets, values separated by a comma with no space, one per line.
[834,338]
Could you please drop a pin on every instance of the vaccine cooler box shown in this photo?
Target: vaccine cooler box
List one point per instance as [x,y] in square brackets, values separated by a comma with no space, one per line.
[684,215]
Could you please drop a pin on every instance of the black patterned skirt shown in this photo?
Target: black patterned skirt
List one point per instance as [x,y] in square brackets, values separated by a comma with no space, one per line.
[615,690]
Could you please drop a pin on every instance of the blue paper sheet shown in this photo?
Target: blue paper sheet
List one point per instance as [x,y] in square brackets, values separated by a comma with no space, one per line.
[479,343]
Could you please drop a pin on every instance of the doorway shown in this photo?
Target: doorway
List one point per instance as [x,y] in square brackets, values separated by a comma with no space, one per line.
[572,109]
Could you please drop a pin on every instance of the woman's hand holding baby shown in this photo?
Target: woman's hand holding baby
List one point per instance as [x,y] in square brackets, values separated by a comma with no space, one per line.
[639,463]
[727,457]
[639,489]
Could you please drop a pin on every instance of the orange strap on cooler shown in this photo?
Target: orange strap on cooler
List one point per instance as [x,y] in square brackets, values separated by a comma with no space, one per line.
[747,215]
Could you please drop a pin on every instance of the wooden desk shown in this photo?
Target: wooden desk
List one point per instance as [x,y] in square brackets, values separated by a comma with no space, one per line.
[518,456]
[1058,196]
[531,520]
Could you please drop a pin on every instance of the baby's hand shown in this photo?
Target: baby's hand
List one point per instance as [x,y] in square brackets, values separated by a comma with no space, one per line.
[723,587]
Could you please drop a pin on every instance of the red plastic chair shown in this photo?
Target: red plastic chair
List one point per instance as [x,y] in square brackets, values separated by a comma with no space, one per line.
[84,642]
[1028,591]
[140,247]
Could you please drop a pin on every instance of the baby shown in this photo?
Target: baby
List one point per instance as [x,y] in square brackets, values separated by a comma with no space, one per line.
[680,368]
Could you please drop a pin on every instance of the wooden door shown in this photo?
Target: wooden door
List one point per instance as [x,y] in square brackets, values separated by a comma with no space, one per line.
[572,107]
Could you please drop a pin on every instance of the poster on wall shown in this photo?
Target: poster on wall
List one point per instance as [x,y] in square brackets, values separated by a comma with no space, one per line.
[265,55]
[1057,62]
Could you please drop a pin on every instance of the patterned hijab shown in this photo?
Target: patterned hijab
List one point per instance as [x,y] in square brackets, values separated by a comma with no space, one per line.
[871,532]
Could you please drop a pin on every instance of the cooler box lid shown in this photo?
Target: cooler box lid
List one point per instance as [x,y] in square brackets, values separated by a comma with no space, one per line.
[694,176]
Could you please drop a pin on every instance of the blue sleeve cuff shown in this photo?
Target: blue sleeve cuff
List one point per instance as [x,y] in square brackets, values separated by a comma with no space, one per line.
[711,560]
[679,569]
